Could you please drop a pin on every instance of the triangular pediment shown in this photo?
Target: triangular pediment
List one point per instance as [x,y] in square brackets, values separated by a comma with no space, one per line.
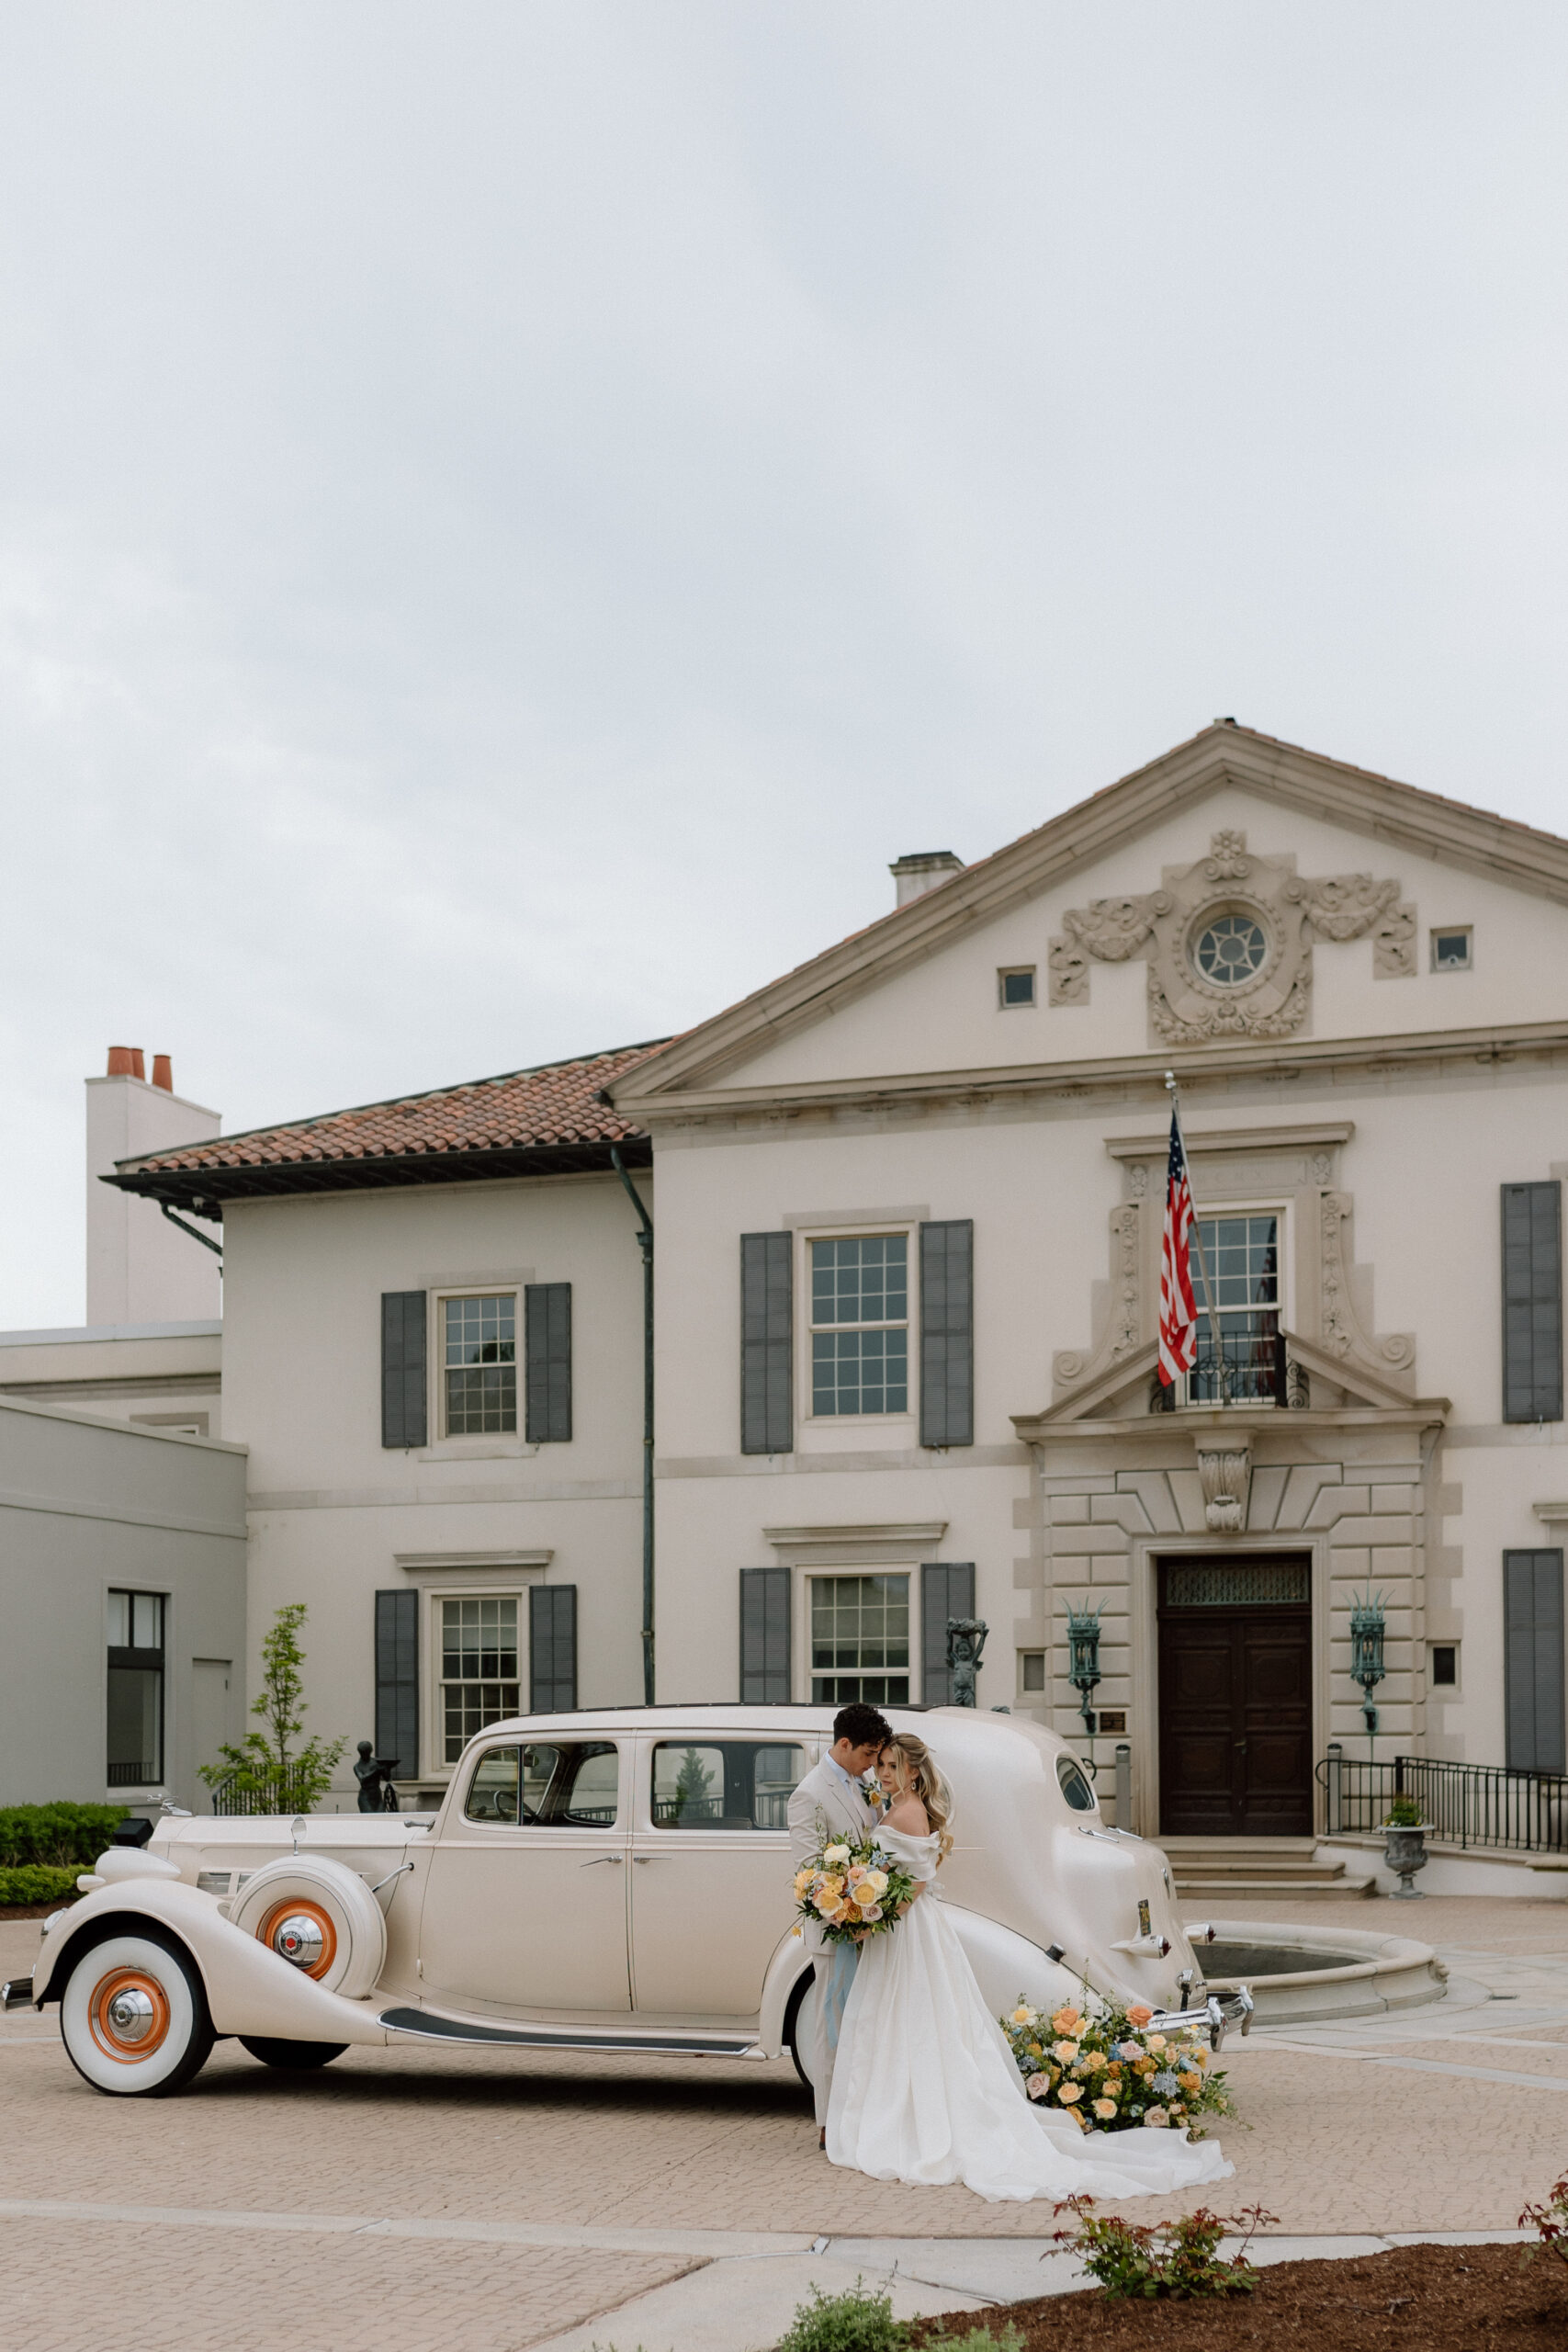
[718,1054]
[1121,1392]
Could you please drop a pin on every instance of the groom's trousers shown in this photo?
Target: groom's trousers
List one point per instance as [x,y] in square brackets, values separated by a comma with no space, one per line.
[835,1971]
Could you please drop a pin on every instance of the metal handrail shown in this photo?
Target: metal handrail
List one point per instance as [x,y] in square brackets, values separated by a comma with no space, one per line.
[1493,1807]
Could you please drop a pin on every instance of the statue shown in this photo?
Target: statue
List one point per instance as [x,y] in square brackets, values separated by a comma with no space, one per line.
[966,1640]
[374,1774]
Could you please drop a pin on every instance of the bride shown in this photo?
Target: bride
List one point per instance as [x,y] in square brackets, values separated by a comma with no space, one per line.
[924,2086]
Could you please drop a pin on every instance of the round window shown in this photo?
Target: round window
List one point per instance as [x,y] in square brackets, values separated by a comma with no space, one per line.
[1075,1788]
[1230,950]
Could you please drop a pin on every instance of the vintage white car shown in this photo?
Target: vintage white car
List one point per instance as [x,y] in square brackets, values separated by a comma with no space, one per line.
[612,1880]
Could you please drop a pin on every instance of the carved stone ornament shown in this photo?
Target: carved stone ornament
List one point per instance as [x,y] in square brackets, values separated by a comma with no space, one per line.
[1225,1474]
[1228,942]
[1340,1328]
[1123,1330]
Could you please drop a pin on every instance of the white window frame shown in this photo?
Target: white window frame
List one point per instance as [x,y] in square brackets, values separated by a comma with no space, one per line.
[808,1416]
[1006,972]
[909,1570]
[1279,1209]
[436,1742]
[473,1441]
[1449,931]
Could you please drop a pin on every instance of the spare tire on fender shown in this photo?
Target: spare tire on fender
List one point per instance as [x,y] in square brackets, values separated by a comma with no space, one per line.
[318,1916]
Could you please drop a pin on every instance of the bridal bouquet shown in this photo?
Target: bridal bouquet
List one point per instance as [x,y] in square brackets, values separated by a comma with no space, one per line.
[1111,2072]
[852,1890]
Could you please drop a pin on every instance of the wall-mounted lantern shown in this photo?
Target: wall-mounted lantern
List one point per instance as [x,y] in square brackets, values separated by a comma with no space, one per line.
[1083,1664]
[1368,1626]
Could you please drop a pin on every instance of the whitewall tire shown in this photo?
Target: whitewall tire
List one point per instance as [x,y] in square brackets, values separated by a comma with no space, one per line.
[800,2026]
[321,1917]
[133,2017]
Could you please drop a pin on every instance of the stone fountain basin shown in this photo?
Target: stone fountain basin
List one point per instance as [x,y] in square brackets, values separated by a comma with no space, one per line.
[1298,1974]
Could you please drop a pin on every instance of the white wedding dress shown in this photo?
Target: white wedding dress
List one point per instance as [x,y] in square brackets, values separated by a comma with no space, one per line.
[925,2088]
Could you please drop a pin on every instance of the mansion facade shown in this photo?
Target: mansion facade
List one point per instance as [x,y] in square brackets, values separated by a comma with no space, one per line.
[906,1208]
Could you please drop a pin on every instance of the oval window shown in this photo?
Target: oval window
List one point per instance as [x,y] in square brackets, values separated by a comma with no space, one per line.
[1075,1788]
[1230,950]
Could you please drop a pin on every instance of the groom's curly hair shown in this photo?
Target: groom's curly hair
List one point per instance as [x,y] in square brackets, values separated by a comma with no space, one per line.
[862,1725]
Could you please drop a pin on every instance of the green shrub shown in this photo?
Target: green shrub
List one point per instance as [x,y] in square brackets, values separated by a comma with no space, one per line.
[36,1882]
[1404,1813]
[60,1834]
[1178,2258]
[856,2322]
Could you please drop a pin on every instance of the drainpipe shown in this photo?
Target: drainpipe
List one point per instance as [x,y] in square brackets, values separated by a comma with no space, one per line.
[216,1247]
[645,1243]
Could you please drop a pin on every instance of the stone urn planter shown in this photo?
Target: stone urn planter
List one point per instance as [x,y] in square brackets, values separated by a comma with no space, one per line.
[1404,1851]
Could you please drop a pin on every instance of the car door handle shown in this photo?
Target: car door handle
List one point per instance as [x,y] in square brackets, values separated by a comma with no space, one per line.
[640,1859]
[603,1858]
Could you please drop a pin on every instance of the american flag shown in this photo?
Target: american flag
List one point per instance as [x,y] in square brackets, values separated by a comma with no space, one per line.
[1177,1310]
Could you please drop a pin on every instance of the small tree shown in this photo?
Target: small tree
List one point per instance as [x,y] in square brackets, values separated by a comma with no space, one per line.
[260,1765]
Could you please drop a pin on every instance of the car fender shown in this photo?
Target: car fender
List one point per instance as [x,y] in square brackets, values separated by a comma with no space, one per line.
[249,1989]
[790,1963]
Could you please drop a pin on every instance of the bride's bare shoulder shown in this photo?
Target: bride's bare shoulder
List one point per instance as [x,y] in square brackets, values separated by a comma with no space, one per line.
[908,1816]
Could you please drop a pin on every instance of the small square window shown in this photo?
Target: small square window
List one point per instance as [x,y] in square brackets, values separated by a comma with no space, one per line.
[1451,949]
[1445,1665]
[1033,1665]
[1113,1719]
[1016,988]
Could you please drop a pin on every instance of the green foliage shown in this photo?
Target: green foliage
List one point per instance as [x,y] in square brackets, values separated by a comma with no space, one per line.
[693,1787]
[36,1882]
[1176,2258]
[1404,1813]
[980,2339]
[57,1834]
[1549,2222]
[859,2320]
[298,1776]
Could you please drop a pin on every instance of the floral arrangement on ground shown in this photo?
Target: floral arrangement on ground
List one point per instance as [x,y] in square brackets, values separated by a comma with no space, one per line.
[1111,2072]
[852,1889]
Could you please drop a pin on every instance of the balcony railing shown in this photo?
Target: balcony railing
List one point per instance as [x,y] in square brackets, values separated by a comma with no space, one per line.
[1463,1804]
[287,1795]
[1259,1370]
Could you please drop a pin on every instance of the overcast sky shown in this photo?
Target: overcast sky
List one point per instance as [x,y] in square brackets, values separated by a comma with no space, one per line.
[510,515]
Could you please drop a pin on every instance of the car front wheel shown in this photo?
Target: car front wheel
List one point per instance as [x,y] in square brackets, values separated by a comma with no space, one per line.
[133,2017]
[294,2057]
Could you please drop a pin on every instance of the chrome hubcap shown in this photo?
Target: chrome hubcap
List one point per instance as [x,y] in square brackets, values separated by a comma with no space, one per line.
[299,1939]
[130,2015]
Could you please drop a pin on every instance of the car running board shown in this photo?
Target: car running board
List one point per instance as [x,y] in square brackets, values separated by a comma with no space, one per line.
[430,2028]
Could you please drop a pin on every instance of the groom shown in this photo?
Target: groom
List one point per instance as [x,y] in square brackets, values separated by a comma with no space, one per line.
[834,1789]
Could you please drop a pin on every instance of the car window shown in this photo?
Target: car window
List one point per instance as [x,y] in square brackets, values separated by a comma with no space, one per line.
[569,1783]
[725,1783]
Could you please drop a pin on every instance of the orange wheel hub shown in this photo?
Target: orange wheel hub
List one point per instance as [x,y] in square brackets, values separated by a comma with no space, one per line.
[301,1932]
[129,2015]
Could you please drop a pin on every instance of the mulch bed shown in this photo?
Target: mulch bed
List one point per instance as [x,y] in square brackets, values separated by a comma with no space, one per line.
[1413,2299]
[37,1910]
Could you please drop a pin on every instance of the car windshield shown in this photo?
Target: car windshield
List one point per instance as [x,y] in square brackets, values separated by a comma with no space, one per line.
[725,1783]
[569,1783]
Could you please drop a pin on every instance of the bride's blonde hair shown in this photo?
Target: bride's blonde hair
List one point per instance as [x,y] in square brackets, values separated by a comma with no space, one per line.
[920,1774]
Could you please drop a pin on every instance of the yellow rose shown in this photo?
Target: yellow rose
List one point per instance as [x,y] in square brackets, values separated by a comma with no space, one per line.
[866,1895]
[1065,2051]
[1095,2061]
[877,1879]
[1200,2057]
[1105,2108]
[827,1901]
[1069,2092]
[1190,2083]
[1035,2049]
[802,1881]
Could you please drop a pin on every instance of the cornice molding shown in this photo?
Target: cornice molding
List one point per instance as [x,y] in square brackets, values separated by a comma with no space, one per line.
[1254,1138]
[1375,807]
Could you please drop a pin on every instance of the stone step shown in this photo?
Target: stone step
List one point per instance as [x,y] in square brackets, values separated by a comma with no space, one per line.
[1205,1866]
[1203,1890]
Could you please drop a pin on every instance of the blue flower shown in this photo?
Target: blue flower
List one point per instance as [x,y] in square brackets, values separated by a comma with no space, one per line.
[1166,2082]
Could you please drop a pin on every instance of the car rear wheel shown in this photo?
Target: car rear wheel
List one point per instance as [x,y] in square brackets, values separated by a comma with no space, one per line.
[294,2057]
[800,2026]
[133,2017]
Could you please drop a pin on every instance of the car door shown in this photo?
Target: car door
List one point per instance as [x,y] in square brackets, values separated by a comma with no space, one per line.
[525,1901]
[710,1874]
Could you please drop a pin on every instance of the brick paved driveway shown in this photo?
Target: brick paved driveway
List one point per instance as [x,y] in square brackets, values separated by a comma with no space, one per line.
[1445,2118]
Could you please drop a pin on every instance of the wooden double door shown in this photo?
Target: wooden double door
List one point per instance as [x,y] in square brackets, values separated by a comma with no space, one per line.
[1236,1695]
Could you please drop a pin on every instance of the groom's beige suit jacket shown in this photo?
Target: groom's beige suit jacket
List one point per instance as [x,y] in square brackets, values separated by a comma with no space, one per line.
[823,1792]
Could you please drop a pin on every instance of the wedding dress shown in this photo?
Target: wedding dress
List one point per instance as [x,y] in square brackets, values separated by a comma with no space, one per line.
[925,2089]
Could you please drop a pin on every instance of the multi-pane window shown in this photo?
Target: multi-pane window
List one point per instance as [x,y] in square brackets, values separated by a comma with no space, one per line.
[860,1640]
[479,1668]
[135,1689]
[479,1338]
[860,1325]
[1242,1255]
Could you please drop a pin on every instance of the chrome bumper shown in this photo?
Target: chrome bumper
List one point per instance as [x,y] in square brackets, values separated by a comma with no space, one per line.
[1214,2016]
[16,1992]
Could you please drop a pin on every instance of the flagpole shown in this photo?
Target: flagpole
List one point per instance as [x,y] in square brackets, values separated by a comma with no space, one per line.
[1171,1088]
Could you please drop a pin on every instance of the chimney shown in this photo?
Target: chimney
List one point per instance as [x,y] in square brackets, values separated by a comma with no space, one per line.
[916,876]
[141,1269]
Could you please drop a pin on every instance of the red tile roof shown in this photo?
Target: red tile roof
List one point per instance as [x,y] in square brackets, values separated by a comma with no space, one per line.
[525,1120]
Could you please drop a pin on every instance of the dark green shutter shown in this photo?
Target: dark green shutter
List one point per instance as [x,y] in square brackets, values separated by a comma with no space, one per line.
[403,1418]
[947,1333]
[552,1649]
[1533,1659]
[1532,1303]
[764,1637]
[767,1320]
[947,1589]
[397,1677]
[546,1323]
